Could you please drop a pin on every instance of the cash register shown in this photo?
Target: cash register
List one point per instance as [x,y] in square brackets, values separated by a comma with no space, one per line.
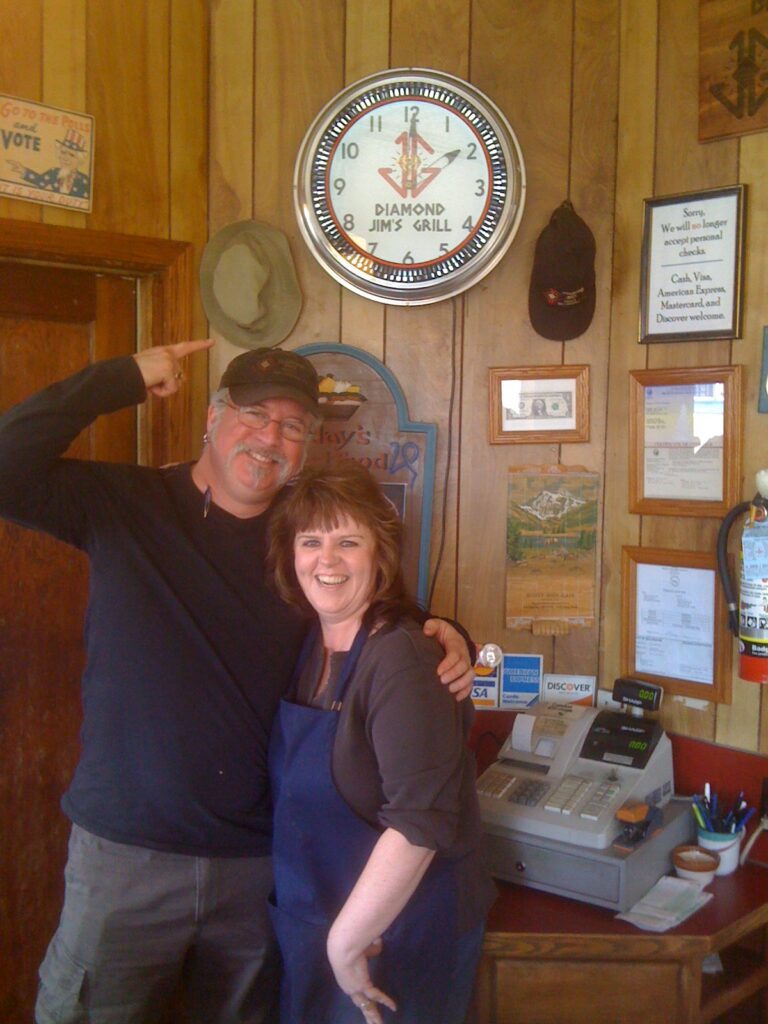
[549,804]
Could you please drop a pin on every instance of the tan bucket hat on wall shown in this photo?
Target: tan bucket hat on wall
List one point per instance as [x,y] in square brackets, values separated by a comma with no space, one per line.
[248,284]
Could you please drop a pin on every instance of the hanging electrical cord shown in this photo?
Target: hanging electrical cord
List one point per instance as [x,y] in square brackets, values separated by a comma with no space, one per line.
[448,454]
[762,826]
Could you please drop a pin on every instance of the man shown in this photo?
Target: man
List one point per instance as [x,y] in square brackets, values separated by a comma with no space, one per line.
[189,651]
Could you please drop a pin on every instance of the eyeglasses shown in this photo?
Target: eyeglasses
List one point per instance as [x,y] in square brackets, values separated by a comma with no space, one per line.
[254,418]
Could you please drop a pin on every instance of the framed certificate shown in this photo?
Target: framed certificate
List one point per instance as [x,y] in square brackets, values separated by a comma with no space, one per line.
[685,441]
[691,272]
[674,630]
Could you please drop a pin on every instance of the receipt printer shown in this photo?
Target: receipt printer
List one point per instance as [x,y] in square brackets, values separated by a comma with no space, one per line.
[549,804]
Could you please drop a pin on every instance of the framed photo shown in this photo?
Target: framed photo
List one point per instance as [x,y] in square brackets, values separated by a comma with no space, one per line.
[691,276]
[673,623]
[685,441]
[535,404]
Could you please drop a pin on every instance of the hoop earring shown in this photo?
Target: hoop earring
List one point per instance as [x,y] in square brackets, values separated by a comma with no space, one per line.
[206,438]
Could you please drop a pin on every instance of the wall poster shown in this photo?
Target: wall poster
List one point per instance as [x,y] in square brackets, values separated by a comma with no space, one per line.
[46,154]
[551,546]
[365,418]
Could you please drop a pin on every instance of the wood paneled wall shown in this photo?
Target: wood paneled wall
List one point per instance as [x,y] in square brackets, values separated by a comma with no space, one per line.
[141,69]
[658,154]
[200,109]
[553,68]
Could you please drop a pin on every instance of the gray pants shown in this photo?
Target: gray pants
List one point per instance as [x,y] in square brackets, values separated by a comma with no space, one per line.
[138,922]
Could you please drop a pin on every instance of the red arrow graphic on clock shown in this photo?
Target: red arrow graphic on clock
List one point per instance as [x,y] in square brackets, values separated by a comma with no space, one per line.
[410,163]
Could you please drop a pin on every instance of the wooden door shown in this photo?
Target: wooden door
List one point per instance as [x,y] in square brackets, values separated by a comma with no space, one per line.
[52,323]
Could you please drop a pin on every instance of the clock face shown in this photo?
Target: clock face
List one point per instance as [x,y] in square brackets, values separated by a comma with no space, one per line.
[409,186]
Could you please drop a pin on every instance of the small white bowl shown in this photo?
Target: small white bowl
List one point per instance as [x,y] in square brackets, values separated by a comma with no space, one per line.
[695,863]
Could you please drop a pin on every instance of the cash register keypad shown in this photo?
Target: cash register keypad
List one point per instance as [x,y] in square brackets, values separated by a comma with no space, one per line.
[527,792]
[494,783]
[599,800]
[567,794]
[563,798]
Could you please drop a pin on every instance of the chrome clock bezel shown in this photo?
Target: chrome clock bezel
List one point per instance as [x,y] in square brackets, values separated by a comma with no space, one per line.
[392,281]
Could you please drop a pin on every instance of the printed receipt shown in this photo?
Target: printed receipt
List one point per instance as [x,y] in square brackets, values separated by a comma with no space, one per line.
[540,731]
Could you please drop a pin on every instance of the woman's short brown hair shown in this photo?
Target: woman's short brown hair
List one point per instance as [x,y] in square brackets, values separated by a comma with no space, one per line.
[320,498]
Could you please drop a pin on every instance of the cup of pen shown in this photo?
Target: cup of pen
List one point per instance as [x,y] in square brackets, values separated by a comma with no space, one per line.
[726,844]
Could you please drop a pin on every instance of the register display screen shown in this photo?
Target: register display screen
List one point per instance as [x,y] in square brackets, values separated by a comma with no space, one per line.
[615,738]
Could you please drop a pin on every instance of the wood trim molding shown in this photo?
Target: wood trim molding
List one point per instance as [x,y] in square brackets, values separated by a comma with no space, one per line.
[164,270]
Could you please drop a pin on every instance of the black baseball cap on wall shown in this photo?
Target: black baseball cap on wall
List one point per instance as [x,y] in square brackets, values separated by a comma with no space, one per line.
[561,298]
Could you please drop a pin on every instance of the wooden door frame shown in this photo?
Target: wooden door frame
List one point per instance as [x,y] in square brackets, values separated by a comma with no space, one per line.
[164,271]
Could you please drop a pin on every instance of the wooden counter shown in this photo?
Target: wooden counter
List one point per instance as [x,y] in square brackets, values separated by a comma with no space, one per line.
[551,960]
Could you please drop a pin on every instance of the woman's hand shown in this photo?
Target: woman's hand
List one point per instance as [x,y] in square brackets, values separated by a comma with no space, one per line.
[455,670]
[388,880]
[352,977]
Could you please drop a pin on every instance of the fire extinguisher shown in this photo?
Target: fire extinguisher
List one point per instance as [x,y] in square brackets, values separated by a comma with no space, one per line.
[747,618]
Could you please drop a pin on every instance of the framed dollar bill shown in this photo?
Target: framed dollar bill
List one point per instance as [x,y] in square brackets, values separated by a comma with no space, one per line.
[535,404]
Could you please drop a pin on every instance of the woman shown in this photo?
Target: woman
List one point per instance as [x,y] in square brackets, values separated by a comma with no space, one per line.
[380,895]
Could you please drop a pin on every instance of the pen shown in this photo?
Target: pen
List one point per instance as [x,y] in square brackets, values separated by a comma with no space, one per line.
[744,819]
[737,804]
[697,816]
[699,804]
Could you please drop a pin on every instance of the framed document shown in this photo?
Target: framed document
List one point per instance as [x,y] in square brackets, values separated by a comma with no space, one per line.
[534,404]
[685,441]
[691,271]
[673,623]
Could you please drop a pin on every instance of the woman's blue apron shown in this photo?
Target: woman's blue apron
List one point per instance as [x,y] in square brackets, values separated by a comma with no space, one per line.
[320,849]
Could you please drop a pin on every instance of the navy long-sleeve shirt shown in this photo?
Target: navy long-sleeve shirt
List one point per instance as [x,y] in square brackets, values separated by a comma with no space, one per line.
[188,649]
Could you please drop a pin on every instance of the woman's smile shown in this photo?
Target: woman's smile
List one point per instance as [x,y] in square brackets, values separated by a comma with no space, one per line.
[336,570]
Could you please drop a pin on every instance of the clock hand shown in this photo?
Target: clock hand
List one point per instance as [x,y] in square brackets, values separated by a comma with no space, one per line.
[444,160]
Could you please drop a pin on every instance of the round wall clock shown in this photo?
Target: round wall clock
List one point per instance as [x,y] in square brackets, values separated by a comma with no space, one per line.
[409,186]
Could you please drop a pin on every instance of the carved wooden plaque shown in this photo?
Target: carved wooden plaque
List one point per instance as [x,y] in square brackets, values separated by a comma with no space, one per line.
[733,67]
[365,418]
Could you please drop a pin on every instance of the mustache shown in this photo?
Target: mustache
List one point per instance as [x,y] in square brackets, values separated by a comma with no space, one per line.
[258,449]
